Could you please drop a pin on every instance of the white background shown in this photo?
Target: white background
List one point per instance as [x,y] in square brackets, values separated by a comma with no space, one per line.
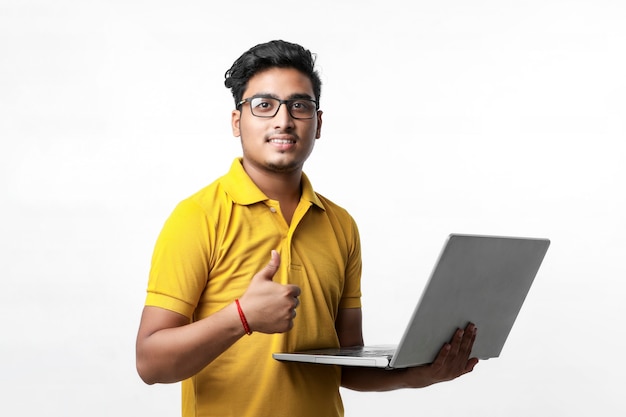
[491,117]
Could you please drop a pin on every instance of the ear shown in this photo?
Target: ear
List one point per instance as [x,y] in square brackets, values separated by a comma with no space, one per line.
[235,118]
[318,131]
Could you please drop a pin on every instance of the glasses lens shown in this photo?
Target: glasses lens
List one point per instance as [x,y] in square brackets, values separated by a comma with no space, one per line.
[264,106]
[301,109]
[268,107]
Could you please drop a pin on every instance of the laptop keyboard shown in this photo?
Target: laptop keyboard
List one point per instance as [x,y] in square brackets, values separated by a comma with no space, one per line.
[368,351]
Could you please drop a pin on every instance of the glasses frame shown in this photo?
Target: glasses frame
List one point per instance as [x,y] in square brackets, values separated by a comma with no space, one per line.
[280,103]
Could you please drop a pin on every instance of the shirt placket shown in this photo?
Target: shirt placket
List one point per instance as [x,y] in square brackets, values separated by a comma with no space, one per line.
[287,231]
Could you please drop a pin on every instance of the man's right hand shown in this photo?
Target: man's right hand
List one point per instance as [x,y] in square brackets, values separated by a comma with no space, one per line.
[270,307]
[170,348]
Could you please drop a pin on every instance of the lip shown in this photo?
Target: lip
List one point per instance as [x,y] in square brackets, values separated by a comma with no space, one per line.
[282,142]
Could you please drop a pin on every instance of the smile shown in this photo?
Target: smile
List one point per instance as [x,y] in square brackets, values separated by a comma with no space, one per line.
[282,141]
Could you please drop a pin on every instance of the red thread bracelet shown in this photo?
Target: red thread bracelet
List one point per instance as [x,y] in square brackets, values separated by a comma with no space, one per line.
[242,316]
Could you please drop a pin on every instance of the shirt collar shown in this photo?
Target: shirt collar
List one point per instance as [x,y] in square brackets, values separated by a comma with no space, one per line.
[244,191]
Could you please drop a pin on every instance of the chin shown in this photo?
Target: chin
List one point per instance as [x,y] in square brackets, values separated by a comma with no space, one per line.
[282,167]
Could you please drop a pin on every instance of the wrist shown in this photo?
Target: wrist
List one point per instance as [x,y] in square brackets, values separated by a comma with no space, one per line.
[242,317]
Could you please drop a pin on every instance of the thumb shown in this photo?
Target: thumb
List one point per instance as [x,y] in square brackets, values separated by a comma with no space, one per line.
[271,268]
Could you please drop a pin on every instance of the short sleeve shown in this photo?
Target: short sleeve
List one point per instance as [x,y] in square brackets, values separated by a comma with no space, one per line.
[351,297]
[181,260]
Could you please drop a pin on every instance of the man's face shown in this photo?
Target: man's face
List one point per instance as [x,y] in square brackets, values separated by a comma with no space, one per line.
[280,143]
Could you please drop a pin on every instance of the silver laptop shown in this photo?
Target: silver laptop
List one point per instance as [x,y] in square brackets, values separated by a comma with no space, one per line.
[479,279]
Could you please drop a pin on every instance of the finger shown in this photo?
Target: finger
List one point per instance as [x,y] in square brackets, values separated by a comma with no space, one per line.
[462,359]
[455,343]
[471,364]
[270,269]
[464,344]
[292,290]
[441,358]
[295,301]
[468,339]
[274,260]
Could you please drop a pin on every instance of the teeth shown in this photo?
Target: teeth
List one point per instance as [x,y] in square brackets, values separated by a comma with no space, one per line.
[281,141]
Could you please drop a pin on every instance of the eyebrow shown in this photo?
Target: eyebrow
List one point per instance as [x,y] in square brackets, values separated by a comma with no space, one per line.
[294,96]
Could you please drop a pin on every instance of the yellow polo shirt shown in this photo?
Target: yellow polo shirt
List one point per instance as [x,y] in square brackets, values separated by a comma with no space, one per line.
[209,249]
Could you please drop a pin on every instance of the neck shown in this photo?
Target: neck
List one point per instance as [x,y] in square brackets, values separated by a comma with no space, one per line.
[280,186]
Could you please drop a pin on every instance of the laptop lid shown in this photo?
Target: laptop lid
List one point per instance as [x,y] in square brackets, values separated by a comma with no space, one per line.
[478,279]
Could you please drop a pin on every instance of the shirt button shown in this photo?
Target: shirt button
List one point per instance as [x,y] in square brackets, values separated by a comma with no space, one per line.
[273,210]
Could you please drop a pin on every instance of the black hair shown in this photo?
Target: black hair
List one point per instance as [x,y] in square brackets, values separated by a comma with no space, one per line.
[268,55]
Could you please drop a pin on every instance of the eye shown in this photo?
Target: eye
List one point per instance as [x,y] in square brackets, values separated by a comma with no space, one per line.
[302,106]
[263,105]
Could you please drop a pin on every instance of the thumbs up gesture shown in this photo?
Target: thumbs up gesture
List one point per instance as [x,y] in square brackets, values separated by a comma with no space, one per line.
[270,307]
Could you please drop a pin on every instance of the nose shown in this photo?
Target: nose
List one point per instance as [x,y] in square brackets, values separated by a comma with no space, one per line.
[283,119]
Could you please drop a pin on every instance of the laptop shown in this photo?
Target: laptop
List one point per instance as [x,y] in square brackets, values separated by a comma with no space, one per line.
[479,279]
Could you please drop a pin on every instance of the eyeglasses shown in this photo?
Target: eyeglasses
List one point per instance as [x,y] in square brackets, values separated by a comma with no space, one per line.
[298,108]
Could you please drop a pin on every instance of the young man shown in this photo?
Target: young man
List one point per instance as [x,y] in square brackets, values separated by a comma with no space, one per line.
[236,261]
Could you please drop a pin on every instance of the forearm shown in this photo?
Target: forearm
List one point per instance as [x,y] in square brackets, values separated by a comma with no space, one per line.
[376,379]
[177,353]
